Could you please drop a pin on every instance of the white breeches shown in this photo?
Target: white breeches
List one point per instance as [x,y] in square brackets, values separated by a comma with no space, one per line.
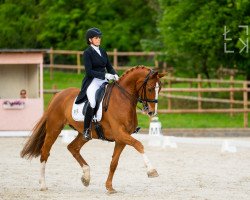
[93,87]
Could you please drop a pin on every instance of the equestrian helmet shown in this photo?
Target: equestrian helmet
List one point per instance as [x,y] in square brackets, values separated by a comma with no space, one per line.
[92,32]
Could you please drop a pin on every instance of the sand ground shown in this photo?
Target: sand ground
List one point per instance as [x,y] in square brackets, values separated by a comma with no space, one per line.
[187,172]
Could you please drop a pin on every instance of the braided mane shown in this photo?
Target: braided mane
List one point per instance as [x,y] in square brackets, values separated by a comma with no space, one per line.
[131,70]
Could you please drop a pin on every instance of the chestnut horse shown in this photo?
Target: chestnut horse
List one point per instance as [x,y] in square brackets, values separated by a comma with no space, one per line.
[118,122]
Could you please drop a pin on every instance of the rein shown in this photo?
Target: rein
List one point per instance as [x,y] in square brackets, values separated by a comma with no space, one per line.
[143,100]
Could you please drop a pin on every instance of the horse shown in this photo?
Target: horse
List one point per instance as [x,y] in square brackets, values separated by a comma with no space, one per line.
[118,122]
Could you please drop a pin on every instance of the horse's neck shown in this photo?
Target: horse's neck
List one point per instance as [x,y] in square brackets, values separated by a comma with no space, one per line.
[130,80]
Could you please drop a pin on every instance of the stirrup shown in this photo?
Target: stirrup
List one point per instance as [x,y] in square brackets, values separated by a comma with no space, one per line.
[87,134]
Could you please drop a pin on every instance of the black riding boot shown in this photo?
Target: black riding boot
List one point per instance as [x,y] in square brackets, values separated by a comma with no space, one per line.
[87,122]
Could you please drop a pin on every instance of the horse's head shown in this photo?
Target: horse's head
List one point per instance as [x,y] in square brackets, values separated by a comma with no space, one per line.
[148,90]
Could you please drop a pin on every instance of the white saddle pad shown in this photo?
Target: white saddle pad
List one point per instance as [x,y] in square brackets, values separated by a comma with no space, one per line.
[77,112]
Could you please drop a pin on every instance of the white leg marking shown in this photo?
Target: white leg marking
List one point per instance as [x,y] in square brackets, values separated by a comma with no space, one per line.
[147,162]
[86,171]
[86,175]
[42,178]
[150,170]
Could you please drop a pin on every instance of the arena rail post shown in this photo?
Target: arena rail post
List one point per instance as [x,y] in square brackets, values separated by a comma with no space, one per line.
[51,62]
[245,99]
[78,62]
[157,64]
[164,66]
[169,93]
[231,93]
[115,59]
[199,93]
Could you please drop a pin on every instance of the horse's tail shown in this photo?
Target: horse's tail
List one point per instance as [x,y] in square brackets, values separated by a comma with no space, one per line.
[33,146]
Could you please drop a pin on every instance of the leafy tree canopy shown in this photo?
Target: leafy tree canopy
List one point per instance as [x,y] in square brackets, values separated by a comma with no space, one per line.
[62,24]
[191,32]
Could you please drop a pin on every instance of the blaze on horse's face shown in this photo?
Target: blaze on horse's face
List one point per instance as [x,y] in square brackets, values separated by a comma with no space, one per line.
[153,88]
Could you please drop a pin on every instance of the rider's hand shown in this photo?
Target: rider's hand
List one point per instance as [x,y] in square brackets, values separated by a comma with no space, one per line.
[116,77]
[109,76]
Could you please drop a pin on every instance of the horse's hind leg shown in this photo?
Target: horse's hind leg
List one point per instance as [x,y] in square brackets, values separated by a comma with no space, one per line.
[52,132]
[74,147]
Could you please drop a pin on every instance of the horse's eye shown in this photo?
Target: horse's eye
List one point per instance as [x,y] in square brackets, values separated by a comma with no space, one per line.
[150,89]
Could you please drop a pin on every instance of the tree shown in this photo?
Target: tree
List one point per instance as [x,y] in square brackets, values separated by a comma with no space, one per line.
[123,23]
[18,24]
[62,24]
[192,32]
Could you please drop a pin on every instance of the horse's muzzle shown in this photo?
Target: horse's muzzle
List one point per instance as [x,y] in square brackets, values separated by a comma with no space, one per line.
[152,114]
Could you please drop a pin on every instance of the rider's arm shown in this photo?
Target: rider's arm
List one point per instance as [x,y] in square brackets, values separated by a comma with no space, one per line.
[109,67]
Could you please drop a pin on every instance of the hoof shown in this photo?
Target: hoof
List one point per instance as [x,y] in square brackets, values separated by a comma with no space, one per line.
[85,181]
[111,191]
[43,188]
[152,173]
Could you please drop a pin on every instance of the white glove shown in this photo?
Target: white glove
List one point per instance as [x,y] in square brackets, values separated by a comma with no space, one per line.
[109,76]
[116,77]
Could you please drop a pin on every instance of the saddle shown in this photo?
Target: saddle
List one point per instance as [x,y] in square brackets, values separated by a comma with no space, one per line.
[79,110]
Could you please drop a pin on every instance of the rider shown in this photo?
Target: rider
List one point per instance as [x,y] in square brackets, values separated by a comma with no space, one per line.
[98,70]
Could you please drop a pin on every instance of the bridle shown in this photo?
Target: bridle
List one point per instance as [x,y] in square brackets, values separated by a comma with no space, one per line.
[143,98]
[142,91]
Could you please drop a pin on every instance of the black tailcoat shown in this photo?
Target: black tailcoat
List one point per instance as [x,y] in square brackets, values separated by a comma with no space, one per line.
[95,67]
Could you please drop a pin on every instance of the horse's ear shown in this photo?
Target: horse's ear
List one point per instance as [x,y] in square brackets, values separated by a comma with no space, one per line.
[154,74]
[160,75]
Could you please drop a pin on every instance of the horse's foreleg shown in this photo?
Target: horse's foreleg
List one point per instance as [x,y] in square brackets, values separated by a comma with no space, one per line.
[128,139]
[151,171]
[74,147]
[116,155]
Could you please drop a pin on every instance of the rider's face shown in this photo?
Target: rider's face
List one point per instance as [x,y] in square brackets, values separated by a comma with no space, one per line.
[95,41]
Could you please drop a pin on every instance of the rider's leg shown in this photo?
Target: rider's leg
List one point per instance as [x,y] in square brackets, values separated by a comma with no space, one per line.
[90,109]
[91,91]
[87,122]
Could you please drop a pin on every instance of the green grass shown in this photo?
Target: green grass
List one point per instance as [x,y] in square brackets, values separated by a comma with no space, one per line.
[210,120]
[64,80]
[61,80]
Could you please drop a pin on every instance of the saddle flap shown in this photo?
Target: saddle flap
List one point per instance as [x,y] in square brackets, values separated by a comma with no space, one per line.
[79,110]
